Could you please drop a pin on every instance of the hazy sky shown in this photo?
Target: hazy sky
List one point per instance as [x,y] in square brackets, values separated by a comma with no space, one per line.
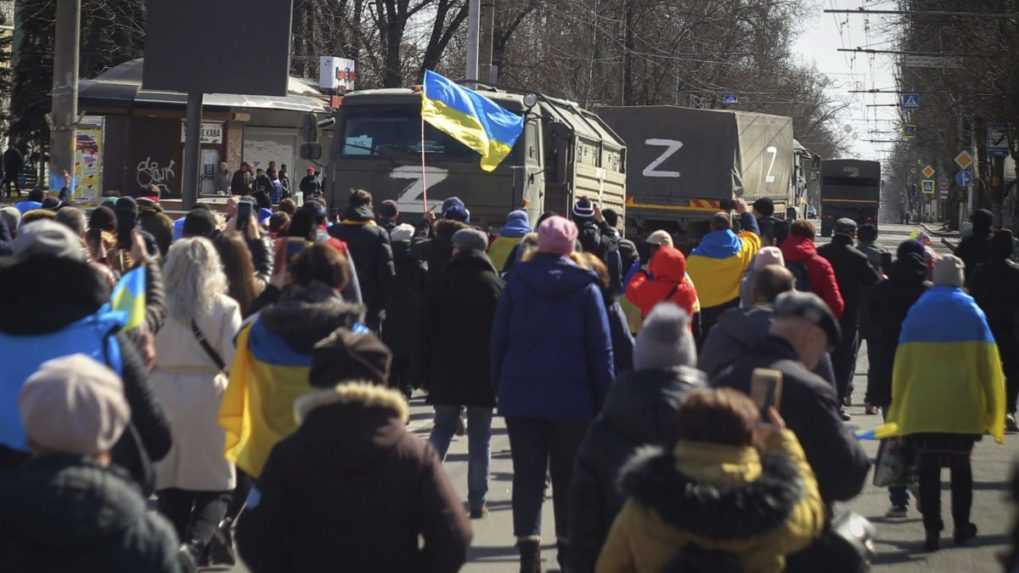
[820,37]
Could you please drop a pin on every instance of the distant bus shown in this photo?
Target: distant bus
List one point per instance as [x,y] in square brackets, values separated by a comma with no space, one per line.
[849,188]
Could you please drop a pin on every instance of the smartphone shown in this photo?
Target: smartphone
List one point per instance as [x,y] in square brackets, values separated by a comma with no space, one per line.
[766,388]
[243,215]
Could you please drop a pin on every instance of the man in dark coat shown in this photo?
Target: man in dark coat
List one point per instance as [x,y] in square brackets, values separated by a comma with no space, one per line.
[401,330]
[995,286]
[242,181]
[437,248]
[14,162]
[640,410]
[373,256]
[367,508]
[154,221]
[773,230]
[310,186]
[802,330]
[853,273]
[975,249]
[455,354]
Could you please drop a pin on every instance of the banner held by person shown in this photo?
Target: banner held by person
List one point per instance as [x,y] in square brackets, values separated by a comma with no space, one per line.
[129,297]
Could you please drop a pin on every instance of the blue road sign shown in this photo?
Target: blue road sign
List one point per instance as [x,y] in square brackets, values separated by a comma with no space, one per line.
[910,101]
[730,99]
[963,178]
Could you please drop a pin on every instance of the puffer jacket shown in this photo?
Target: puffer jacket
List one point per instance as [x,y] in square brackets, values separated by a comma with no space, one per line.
[664,281]
[67,513]
[640,411]
[802,250]
[707,504]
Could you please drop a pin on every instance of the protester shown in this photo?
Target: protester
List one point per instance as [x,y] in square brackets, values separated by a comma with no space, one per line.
[629,258]
[222,179]
[259,245]
[312,507]
[640,410]
[773,230]
[276,186]
[127,212]
[552,365]
[305,226]
[288,206]
[194,348]
[947,391]
[622,338]
[719,262]
[529,242]
[995,287]
[14,162]
[389,215]
[802,330]
[278,224]
[456,356]
[731,494]
[878,258]
[310,186]
[34,201]
[402,329]
[200,222]
[595,237]
[437,249]
[853,273]
[242,181]
[766,256]
[49,257]
[74,219]
[262,183]
[663,281]
[510,235]
[975,249]
[70,508]
[369,247]
[813,272]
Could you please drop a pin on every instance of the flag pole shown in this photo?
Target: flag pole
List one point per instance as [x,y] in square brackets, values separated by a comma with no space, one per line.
[424,171]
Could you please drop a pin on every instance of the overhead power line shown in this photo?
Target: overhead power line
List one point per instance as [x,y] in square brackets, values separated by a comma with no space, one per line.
[964,14]
[911,53]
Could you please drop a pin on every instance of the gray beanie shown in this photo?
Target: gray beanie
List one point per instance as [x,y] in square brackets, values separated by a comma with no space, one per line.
[665,340]
[470,240]
[48,238]
[949,271]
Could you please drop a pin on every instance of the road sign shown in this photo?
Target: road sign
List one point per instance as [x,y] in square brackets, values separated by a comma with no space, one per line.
[730,99]
[910,101]
[964,160]
[928,186]
[908,131]
[963,178]
[928,172]
[997,140]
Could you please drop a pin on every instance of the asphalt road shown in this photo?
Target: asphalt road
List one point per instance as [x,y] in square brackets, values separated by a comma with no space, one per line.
[900,542]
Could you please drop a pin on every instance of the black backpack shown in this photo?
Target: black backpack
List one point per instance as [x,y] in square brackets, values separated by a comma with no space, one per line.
[590,239]
[799,271]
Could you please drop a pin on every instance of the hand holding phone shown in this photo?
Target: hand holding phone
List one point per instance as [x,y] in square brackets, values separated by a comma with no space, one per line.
[766,389]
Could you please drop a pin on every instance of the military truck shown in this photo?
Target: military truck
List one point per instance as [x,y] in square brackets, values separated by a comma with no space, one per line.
[683,165]
[564,153]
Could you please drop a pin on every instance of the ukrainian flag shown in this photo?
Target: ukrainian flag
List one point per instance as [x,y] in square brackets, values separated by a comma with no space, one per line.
[470,118]
[947,376]
[718,264]
[129,297]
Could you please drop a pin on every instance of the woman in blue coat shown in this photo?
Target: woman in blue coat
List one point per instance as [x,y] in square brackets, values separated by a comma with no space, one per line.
[552,365]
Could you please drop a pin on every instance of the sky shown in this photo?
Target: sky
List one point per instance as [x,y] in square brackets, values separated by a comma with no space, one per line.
[820,37]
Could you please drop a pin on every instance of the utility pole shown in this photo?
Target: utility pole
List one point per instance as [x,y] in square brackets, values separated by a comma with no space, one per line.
[192,149]
[64,115]
[473,39]
[486,34]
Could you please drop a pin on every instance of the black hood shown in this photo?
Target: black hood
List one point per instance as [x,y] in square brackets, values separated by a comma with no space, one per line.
[642,405]
[470,260]
[306,315]
[44,294]
[709,511]
[909,269]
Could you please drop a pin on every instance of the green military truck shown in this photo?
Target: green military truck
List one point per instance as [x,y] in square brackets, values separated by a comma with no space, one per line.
[564,153]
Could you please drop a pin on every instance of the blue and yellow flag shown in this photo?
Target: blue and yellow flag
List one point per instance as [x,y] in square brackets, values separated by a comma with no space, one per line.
[718,264]
[129,297]
[470,118]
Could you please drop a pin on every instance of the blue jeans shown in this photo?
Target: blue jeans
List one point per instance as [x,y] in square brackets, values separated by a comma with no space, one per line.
[479,436]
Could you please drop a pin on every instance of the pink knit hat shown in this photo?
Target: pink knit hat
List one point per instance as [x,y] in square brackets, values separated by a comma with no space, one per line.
[768,256]
[557,236]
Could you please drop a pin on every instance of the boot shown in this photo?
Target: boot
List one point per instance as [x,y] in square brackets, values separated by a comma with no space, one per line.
[221,546]
[964,533]
[530,555]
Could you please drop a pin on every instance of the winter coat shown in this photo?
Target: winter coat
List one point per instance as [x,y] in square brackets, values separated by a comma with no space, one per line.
[402,329]
[551,344]
[14,162]
[974,251]
[889,304]
[437,250]
[241,183]
[820,273]
[995,286]
[190,387]
[773,230]
[147,438]
[67,513]
[310,186]
[510,236]
[947,377]
[369,245]
[719,262]
[853,273]
[704,505]
[456,354]
[663,281]
[874,255]
[154,221]
[811,410]
[640,410]
[602,241]
[738,331]
[363,510]
[622,338]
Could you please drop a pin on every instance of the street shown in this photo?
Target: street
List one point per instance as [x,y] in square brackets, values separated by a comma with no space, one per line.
[900,542]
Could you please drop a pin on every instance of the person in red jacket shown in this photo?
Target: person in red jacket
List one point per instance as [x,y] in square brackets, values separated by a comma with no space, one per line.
[664,280]
[801,258]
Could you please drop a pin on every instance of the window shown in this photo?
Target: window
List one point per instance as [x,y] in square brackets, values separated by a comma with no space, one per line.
[394,133]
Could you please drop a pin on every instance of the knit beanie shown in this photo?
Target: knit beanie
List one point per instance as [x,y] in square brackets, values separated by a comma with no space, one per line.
[949,271]
[470,240]
[557,236]
[910,247]
[583,210]
[389,209]
[768,256]
[402,232]
[664,341]
[74,405]
[517,224]
[48,238]
[453,208]
[346,356]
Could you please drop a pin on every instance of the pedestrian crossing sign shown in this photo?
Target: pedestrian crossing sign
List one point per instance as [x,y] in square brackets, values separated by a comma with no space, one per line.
[928,186]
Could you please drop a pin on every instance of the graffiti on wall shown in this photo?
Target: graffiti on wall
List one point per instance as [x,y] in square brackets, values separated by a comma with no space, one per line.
[149,172]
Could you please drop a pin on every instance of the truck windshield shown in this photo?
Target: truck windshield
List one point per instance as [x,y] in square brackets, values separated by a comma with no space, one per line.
[385,133]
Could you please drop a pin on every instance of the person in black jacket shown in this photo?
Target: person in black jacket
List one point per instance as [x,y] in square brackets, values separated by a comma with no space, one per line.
[437,248]
[373,256]
[802,330]
[402,329]
[367,508]
[14,162]
[241,182]
[640,410]
[455,355]
[773,230]
[310,186]
[853,273]
[975,249]
[995,286]
[597,238]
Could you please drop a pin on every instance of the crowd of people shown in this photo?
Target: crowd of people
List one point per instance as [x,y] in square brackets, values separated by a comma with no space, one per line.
[260,397]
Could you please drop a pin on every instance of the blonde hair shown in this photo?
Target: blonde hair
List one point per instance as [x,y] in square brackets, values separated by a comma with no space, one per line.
[591,262]
[529,246]
[193,277]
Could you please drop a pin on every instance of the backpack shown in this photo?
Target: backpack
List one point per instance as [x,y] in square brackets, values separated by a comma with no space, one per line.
[590,239]
[627,252]
[799,271]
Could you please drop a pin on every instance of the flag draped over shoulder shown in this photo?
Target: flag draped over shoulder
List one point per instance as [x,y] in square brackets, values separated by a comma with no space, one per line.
[470,118]
[947,376]
[718,264]
[129,297]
